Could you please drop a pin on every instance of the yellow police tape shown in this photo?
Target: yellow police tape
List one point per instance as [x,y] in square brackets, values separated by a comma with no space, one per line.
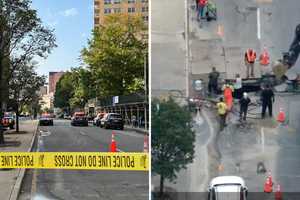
[75,160]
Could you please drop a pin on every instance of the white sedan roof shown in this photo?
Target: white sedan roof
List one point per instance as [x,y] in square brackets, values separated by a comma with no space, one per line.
[227,180]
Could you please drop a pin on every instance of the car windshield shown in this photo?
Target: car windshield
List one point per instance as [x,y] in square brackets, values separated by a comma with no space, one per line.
[79,115]
[45,116]
[115,116]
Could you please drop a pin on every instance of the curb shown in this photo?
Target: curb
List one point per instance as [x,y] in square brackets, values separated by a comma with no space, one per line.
[17,187]
[141,131]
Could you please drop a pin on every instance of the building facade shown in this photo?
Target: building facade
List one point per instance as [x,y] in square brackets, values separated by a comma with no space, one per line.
[103,8]
[53,79]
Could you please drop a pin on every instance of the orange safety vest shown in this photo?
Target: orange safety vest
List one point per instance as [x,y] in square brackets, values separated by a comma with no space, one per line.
[251,57]
[228,97]
[264,58]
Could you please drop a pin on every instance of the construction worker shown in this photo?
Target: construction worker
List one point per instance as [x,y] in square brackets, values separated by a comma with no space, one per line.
[244,103]
[267,97]
[213,81]
[264,60]
[228,90]
[250,57]
[222,112]
[201,6]
[238,87]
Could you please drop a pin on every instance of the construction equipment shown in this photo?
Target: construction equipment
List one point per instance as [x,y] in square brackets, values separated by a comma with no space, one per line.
[289,58]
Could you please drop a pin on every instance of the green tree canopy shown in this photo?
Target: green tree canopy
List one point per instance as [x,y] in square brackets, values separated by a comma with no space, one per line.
[172,139]
[115,55]
[23,87]
[64,91]
[74,89]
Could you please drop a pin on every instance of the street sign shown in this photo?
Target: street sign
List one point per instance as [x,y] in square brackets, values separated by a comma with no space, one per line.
[115,99]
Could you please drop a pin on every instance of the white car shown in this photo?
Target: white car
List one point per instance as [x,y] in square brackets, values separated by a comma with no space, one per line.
[227,187]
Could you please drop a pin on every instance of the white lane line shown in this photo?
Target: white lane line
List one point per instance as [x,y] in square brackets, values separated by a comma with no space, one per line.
[82,133]
[205,146]
[263,139]
[258,24]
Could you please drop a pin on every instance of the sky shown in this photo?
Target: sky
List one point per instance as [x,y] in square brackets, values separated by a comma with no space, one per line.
[73,23]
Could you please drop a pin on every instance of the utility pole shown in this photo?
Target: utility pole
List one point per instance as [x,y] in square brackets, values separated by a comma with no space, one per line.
[145,88]
[187,50]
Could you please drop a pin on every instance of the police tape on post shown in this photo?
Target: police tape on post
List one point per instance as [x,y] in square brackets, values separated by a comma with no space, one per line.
[75,160]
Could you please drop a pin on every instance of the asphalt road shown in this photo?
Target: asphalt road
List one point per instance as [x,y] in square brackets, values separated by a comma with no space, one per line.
[80,184]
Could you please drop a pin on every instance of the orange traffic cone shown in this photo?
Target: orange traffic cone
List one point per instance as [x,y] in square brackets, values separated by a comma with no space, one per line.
[278,193]
[270,178]
[281,116]
[113,144]
[268,186]
[146,144]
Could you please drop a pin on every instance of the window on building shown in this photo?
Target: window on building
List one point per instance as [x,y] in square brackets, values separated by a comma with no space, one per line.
[117,10]
[145,18]
[97,4]
[97,12]
[131,10]
[144,1]
[107,10]
[107,1]
[117,1]
[131,1]
[144,9]
[96,20]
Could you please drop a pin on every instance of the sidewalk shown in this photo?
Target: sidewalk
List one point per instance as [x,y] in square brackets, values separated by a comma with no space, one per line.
[10,180]
[138,130]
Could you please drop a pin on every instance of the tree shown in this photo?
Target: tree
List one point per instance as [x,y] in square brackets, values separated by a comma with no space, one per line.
[74,89]
[172,139]
[84,87]
[115,55]
[23,87]
[22,37]
[64,91]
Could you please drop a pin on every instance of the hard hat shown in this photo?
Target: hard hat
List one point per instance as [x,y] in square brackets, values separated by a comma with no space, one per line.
[245,94]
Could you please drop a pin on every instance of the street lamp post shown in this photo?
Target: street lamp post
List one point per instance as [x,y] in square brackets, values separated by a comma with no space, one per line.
[187,48]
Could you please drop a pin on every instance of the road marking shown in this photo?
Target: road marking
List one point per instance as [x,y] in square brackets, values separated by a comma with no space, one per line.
[263,139]
[82,133]
[258,24]
[211,130]
[119,150]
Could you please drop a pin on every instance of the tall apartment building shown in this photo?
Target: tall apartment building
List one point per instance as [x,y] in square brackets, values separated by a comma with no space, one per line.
[103,8]
[53,79]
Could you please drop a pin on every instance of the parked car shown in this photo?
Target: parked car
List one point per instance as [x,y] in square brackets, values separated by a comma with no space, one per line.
[46,120]
[227,187]
[90,118]
[112,120]
[97,119]
[66,116]
[79,118]
[8,121]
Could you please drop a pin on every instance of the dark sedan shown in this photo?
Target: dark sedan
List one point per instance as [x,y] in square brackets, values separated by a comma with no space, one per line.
[112,120]
[79,118]
[46,120]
